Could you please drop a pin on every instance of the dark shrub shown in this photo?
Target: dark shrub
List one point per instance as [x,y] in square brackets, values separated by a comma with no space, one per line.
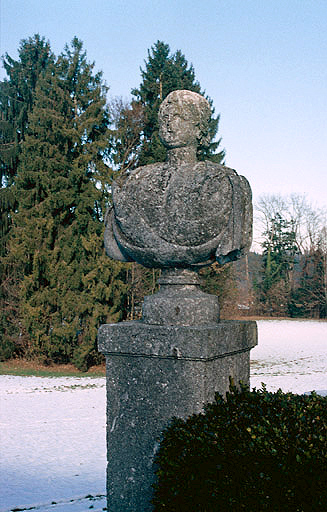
[254,451]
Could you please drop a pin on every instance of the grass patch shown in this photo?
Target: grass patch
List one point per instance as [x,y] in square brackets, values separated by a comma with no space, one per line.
[22,367]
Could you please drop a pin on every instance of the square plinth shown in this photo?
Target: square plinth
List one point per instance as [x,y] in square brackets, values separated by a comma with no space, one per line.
[153,374]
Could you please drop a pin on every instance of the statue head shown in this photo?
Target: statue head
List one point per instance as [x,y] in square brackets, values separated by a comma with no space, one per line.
[184,120]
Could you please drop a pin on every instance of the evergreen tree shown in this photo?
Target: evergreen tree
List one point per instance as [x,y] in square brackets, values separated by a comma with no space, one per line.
[163,73]
[16,100]
[280,251]
[69,286]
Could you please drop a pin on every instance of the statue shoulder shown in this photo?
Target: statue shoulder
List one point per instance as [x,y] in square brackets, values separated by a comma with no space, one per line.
[224,171]
[219,168]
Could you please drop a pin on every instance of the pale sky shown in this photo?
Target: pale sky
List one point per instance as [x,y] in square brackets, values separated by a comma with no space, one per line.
[263,62]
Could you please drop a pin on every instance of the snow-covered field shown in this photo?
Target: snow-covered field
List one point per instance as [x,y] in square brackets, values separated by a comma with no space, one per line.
[53,442]
[53,429]
[291,355]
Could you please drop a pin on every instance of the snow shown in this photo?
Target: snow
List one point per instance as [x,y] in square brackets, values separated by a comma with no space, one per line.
[53,434]
[53,441]
[291,355]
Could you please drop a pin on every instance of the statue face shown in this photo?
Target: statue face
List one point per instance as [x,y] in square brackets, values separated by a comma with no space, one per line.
[177,126]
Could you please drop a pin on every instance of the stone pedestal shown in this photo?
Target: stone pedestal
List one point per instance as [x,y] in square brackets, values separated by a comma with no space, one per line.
[178,216]
[155,372]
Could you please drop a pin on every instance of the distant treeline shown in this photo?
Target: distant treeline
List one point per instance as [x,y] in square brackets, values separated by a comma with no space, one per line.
[62,143]
[290,277]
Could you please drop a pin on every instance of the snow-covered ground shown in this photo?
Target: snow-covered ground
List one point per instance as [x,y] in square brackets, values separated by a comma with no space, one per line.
[53,440]
[53,429]
[291,355]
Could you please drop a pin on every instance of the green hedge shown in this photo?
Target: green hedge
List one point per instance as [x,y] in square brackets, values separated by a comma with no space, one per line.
[254,451]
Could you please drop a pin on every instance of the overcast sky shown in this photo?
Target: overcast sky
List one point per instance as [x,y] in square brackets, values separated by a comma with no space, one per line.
[263,62]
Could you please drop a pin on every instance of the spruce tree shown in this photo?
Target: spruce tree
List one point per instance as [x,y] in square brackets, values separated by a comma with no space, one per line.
[16,100]
[279,257]
[69,286]
[165,72]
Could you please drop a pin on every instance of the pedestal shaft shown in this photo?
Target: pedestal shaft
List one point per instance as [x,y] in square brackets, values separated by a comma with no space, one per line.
[154,373]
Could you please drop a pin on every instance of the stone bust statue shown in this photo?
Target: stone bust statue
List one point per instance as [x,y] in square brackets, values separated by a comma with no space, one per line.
[181,214]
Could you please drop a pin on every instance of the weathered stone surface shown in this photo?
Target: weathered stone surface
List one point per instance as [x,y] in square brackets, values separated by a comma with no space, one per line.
[179,216]
[154,373]
[180,301]
[177,342]
[181,213]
